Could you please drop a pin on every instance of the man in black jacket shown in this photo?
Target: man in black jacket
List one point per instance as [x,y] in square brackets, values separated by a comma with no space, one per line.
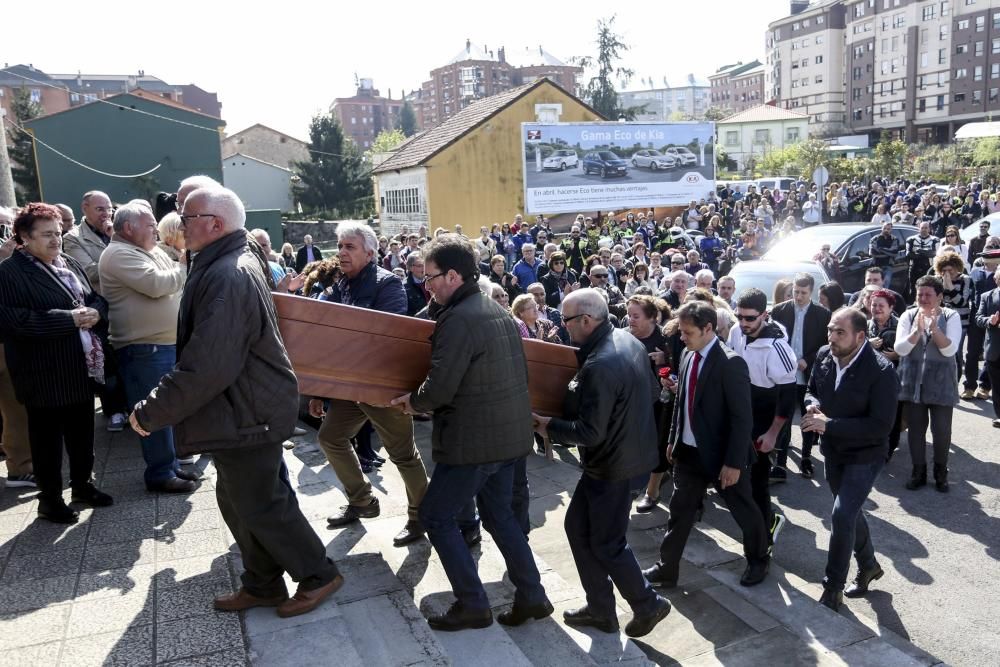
[609,416]
[477,388]
[709,444]
[988,318]
[233,393]
[307,253]
[805,322]
[884,249]
[416,284]
[851,405]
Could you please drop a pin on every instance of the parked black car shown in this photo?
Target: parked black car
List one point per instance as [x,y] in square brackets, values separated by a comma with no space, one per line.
[850,243]
[604,163]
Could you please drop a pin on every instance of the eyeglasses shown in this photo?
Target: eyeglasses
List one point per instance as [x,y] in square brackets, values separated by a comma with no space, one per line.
[436,275]
[567,320]
[748,318]
[602,276]
[192,216]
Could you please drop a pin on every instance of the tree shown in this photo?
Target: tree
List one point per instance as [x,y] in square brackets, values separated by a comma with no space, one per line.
[600,91]
[21,147]
[335,180]
[716,113]
[890,156]
[408,120]
[386,141]
[811,154]
[985,151]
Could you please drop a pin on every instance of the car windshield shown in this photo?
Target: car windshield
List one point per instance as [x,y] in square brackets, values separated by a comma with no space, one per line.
[765,280]
[654,153]
[607,155]
[804,245]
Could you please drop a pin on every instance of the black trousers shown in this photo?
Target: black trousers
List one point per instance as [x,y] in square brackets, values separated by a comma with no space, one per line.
[259,506]
[49,429]
[760,473]
[112,394]
[785,436]
[690,482]
[596,525]
[993,373]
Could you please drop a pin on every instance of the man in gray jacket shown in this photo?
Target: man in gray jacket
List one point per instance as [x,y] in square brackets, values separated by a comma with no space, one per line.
[233,393]
[608,414]
[477,388]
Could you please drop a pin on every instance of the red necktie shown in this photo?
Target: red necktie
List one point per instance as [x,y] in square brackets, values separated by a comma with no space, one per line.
[692,383]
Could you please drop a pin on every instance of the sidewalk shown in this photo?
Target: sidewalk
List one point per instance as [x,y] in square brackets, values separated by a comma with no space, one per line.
[133,584]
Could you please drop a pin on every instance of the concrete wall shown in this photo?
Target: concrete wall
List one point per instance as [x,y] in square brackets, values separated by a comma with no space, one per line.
[259,185]
[746,145]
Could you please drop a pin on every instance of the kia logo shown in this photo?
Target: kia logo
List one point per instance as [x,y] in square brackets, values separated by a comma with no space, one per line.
[692,178]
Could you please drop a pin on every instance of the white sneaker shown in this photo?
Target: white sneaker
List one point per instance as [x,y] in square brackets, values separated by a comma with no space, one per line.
[21,480]
[117,422]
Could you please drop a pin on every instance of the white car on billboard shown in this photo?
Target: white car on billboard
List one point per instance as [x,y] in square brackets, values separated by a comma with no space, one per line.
[653,159]
[561,159]
[682,155]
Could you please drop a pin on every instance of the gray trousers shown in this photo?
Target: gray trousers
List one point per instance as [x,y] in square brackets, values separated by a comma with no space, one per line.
[917,416]
[259,506]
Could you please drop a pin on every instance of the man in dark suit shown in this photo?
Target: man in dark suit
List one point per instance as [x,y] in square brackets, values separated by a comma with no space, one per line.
[988,317]
[805,323]
[851,403]
[307,253]
[709,443]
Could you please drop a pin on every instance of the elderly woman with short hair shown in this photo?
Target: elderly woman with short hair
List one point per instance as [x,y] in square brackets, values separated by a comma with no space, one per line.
[49,320]
[171,236]
[529,324]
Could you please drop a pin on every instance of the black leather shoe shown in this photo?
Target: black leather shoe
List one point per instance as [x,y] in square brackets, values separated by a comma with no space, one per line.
[941,477]
[832,599]
[173,485]
[518,615]
[189,475]
[756,572]
[647,504]
[91,495]
[583,618]
[642,624]
[778,475]
[411,532]
[918,478]
[658,577]
[57,511]
[861,582]
[472,537]
[807,468]
[351,513]
[460,618]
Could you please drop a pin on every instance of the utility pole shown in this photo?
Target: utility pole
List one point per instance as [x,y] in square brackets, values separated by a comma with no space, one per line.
[6,178]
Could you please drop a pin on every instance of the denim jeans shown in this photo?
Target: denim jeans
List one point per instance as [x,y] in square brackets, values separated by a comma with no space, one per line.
[451,489]
[850,483]
[142,366]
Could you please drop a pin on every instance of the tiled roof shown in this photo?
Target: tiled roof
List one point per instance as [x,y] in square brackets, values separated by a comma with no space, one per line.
[762,113]
[743,69]
[424,146]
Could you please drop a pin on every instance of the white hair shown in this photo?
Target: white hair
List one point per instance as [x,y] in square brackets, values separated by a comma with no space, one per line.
[724,319]
[704,273]
[359,230]
[224,204]
[591,301]
[130,212]
[198,182]
[485,286]
[142,202]
[260,233]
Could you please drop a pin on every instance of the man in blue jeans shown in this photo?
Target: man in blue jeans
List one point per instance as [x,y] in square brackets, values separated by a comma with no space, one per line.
[143,287]
[477,389]
[851,404]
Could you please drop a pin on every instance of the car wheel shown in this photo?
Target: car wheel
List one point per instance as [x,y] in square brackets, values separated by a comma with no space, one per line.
[562,166]
[652,165]
[604,172]
[635,164]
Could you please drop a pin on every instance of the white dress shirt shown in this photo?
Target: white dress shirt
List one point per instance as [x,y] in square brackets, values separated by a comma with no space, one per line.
[687,434]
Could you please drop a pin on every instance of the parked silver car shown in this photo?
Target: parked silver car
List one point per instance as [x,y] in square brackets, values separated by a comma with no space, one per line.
[561,159]
[683,156]
[653,159]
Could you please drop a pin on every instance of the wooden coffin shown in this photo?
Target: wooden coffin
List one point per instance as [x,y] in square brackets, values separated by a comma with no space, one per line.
[369,356]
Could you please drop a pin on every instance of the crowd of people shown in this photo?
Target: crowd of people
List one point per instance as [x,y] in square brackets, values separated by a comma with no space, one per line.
[684,375]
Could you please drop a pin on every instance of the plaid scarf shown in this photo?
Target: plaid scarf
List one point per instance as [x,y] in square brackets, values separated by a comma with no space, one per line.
[93,350]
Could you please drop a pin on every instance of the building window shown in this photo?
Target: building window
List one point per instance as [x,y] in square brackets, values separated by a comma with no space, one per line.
[36,95]
[929,12]
[922,105]
[74,97]
[762,136]
[979,48]
[819,20]
[961,73]
[819,60]
[923,59]
[963,24]
[977,73]
[732,138]
[980,23]
[819,79]
[796,26]
[791,135]
[857,114]
[996,46]
[995,71]
[942,56]
[819,39]
[961,48]
[994,94]
[977,97]
[402,200]
[940,102]
[899,20]
[945,8]
[943,33]
[959,97]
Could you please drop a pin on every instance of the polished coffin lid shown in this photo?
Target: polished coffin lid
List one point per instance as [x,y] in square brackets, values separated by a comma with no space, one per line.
[372,357]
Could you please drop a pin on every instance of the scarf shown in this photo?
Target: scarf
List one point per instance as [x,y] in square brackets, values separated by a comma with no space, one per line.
[93,350]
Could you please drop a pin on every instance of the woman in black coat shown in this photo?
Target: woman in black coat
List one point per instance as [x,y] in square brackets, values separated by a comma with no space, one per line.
[502,277]
[49,322]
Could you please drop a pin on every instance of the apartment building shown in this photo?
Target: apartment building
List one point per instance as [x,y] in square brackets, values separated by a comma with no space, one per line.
[920,70]
[804,65]
[477,72]
[366,114]
[688,101]
[737,87]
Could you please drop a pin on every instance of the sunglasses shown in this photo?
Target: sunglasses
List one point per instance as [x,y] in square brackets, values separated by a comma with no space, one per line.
[748,318]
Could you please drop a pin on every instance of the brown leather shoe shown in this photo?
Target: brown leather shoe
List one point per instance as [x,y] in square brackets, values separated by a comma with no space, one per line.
[304,602]
[241,600]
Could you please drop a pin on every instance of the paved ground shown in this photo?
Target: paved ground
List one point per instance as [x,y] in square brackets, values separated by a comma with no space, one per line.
[939,551]
[133,585]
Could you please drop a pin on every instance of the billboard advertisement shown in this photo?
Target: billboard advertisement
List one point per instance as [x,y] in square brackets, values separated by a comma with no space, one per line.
[574,167]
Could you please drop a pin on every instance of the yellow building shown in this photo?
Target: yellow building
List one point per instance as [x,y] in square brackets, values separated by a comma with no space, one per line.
[469,170]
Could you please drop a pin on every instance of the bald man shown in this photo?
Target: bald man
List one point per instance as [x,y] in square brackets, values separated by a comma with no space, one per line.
[87,242]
